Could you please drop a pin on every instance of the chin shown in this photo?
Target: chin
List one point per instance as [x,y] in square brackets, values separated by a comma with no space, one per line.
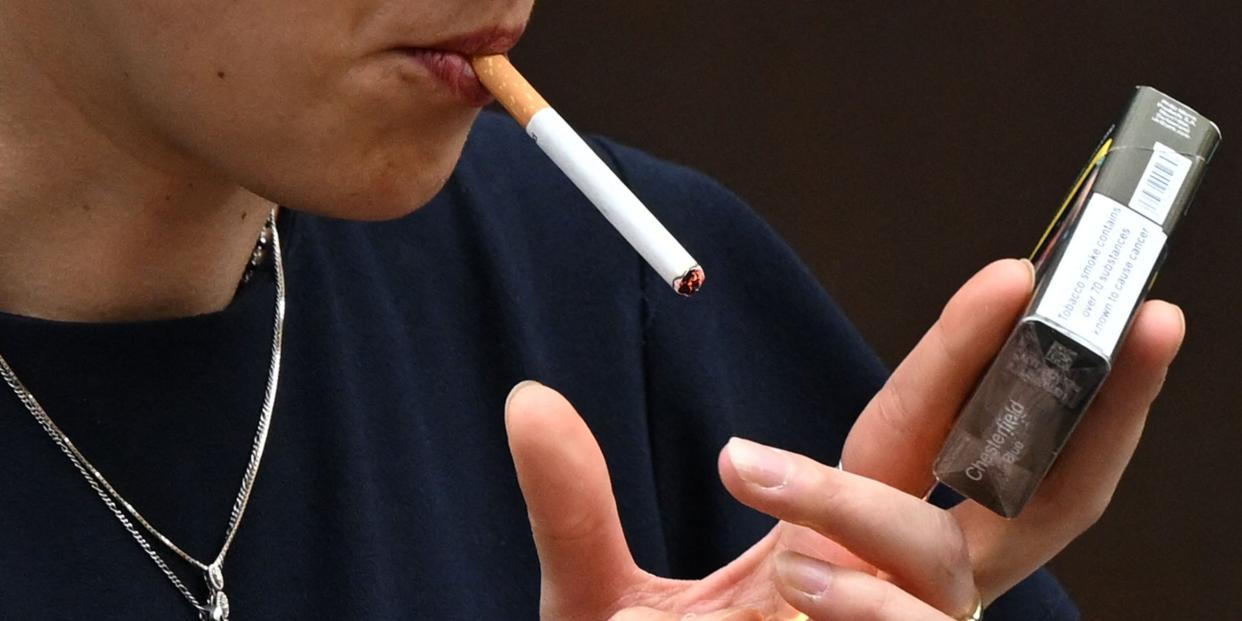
[383,192]
[375,203]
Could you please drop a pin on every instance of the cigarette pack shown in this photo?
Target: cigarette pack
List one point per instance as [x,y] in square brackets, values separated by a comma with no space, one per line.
[1094,267]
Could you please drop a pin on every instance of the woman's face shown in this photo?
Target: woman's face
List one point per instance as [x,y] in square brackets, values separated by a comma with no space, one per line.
[321,105]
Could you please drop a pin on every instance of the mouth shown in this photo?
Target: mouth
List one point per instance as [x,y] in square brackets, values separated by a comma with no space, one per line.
[448,61]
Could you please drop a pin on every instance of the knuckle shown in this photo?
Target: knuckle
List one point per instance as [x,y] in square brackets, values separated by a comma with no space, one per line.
[957,566]
[885,604]
[832,497]
[891,410]
[1092,510]
[573,529]
[1077,513]
[939,334]
[956,553]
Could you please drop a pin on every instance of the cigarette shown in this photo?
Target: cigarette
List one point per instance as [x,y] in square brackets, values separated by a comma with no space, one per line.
[593,177]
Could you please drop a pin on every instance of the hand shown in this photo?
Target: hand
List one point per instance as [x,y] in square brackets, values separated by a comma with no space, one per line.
[866,549]
[901,431]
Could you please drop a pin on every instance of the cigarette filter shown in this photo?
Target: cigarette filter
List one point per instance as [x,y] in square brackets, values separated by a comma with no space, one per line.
[590,174]
[1095,265]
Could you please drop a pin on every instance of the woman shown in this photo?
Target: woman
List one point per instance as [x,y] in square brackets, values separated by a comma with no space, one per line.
[146,145]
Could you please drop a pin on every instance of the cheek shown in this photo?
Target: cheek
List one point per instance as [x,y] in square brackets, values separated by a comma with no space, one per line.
[303,119]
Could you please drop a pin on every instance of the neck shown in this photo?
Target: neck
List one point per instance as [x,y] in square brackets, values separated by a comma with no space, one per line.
[105,258]
[94,228]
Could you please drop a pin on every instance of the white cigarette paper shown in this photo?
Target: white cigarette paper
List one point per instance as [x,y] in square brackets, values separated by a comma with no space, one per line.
[591,175]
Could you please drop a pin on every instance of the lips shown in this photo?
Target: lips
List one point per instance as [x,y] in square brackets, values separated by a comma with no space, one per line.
[449,60]
[491,40]
[453,70]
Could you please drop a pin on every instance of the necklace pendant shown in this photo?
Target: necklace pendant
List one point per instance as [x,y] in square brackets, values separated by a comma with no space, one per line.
[217,602]
[217,607]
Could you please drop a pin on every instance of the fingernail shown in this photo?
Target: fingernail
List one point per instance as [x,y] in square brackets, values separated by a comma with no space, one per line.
[803,574]
[1029,266]
[513,391]
[1181,314]
[758,464]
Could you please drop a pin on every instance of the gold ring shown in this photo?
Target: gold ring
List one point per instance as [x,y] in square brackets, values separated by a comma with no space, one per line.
[977,615]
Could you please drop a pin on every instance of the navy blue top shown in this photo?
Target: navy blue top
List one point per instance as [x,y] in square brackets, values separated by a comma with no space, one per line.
[387,491]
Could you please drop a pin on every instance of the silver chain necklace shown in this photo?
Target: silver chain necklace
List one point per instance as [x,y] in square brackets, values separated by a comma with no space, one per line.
[216,606]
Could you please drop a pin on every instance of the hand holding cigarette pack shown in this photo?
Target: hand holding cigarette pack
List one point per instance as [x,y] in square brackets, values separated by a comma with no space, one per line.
[586,170]
[1095,266]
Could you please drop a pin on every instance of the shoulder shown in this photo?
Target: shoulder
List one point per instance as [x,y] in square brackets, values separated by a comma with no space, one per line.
[753,277]
[762,334]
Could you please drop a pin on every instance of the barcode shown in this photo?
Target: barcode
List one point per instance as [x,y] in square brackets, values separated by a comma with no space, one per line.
[1160,184]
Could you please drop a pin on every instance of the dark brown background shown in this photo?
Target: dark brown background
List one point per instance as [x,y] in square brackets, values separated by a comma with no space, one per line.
[900,149]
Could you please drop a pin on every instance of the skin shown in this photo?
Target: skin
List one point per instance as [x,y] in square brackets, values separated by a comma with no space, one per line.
[144,141]
[859,543]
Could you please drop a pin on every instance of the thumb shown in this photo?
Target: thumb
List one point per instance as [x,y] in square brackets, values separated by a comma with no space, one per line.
[585,563]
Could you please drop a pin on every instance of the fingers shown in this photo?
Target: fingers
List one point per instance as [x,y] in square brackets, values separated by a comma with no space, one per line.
[899,433]
[919,545]
[1102,445]
[1081,483]
[825,592]
[584,560]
